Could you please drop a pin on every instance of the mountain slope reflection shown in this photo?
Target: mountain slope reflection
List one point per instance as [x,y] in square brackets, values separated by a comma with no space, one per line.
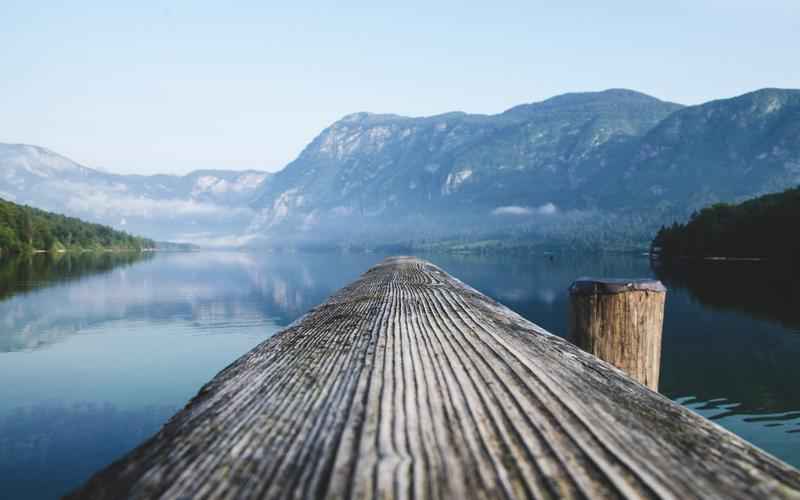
[765,290]
[25,273]
[210,290]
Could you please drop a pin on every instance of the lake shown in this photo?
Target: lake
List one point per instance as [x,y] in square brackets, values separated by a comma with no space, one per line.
[98,351]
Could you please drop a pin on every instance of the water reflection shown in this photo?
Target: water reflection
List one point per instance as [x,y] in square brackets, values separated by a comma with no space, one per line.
[23,273]
[109,349]
[44,448]
[733,326]
[210,290]
[730,345]
[764,290]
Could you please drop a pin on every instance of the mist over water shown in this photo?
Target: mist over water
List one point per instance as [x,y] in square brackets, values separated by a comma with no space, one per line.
[97,352]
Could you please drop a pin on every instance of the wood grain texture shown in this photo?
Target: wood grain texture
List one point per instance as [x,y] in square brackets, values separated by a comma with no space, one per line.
[620,321]
[410,384]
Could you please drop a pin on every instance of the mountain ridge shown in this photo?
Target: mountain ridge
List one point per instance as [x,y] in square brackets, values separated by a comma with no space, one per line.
[101,171]
[602,156]
[202,205]
[435,160]
[608,166]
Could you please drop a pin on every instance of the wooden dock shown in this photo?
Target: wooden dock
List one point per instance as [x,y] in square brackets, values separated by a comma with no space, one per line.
[410,384]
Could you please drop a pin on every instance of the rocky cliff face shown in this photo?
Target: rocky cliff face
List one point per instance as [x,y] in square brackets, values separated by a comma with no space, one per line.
[725,150]
[532,156]
[613,161]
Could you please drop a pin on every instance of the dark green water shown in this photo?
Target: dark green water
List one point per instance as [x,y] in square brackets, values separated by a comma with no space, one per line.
[97,352]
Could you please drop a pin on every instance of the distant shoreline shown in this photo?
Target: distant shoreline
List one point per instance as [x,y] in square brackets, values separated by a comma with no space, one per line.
[714,258]
[61,251]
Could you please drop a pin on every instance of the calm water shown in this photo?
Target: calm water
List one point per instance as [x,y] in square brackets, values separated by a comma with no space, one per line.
[97,352]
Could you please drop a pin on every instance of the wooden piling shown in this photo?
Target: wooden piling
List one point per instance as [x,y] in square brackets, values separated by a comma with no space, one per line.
[410,384]
[620,321]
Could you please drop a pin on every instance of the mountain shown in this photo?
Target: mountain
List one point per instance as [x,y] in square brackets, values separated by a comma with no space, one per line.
[724,150]
[586,170]
[204,206]
[366,171]
[591,169]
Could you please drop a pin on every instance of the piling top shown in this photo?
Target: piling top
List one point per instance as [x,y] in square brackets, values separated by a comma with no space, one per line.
[607,286]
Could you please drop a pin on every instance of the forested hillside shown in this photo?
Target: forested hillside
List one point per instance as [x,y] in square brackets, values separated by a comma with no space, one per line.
[25,229]
[764,227]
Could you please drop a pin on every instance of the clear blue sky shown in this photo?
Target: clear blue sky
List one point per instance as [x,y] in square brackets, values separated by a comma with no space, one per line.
[173,86]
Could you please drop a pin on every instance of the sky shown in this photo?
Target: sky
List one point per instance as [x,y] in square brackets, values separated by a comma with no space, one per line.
[169,87]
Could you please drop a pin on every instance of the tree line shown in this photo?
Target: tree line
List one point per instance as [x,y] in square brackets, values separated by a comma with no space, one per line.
[764,227]
[25,229]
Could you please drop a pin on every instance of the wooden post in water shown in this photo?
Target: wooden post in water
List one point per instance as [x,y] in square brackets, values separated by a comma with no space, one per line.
[620,322]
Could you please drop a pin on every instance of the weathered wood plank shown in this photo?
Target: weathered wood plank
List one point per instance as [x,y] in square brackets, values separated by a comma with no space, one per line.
[409,384]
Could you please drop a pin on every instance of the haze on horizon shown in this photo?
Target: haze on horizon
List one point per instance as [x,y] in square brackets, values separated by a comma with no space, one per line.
[167,89]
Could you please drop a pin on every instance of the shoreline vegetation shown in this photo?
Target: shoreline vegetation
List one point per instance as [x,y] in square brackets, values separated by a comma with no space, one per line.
[28,230]
[759,229]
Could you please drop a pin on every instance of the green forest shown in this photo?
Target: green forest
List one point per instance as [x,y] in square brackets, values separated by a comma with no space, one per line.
[764,227]
[25,229]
